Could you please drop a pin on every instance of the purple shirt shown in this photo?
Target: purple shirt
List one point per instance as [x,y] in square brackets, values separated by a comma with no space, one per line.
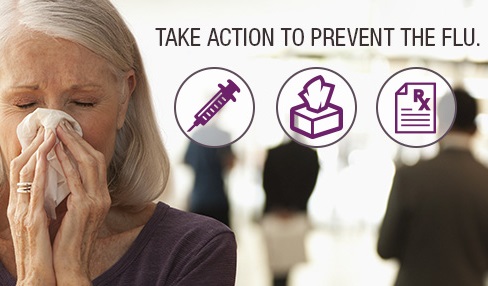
[173,248]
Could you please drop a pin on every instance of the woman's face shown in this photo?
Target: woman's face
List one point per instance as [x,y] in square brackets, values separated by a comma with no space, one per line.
[41,71]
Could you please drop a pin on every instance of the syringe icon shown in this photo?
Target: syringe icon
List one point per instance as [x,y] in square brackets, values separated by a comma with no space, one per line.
[215,104]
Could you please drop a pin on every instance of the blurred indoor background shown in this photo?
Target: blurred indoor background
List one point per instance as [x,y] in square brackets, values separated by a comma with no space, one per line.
[350,197]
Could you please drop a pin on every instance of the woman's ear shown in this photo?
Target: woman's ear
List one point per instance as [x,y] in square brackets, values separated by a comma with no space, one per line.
[130,83]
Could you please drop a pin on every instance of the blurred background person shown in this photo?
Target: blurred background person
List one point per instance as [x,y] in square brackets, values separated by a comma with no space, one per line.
[210,165]
[289,177]
[436,223]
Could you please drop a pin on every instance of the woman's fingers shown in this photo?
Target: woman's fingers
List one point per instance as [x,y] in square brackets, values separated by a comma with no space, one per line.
[91,163]
[70,172]
[26,176]
[86,176]
[29,191]
[18,164]
[40,174]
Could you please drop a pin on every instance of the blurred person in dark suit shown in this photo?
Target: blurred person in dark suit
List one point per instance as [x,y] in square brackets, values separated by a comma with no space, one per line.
[289,177]
[209,194]
[436,222]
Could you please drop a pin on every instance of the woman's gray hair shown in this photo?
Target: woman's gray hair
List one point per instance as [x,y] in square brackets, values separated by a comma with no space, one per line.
[139,169]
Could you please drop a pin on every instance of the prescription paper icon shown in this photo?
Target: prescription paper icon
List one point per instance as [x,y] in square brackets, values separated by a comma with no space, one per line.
[415,108]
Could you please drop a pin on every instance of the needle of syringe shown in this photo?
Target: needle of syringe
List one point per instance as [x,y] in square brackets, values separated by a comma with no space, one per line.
[191,128]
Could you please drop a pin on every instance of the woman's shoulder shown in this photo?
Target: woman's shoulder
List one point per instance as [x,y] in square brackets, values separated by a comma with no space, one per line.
[202,250]
[177,223]
[177,248]
[189,237]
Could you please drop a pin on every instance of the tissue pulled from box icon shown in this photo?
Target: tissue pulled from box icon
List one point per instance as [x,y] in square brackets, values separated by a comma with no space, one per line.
[316,116]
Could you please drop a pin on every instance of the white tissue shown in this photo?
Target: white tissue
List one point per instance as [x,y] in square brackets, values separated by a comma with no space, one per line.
[56,187]
[316,94]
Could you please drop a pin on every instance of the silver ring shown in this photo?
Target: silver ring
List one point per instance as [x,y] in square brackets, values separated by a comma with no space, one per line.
[24,184]
[24,187]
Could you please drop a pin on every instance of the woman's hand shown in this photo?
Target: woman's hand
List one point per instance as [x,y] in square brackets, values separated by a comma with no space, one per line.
[26,214]
[87,207]
[67,261]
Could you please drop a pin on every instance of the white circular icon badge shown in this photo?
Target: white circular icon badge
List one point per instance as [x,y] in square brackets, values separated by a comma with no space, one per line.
[416,107]
[214,107]
[316,107]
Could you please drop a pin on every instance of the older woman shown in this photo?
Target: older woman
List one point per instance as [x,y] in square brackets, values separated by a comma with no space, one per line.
[79,57]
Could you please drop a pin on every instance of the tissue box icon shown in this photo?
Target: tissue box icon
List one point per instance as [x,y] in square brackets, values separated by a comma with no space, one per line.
[316,124]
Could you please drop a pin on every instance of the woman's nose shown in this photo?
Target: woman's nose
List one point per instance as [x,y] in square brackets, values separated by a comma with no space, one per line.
[55,105]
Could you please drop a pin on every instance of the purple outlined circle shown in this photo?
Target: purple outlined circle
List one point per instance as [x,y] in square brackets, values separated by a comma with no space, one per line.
[442,120]
[291,108]
[219,97]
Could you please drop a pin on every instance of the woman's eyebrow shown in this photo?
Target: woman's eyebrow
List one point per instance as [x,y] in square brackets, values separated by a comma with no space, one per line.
[85,86]
[26,86]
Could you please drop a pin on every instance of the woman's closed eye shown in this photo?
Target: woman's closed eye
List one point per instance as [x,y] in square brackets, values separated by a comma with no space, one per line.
[23,101]
[26,105]
[22,96]
[84,100]
[84,104]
